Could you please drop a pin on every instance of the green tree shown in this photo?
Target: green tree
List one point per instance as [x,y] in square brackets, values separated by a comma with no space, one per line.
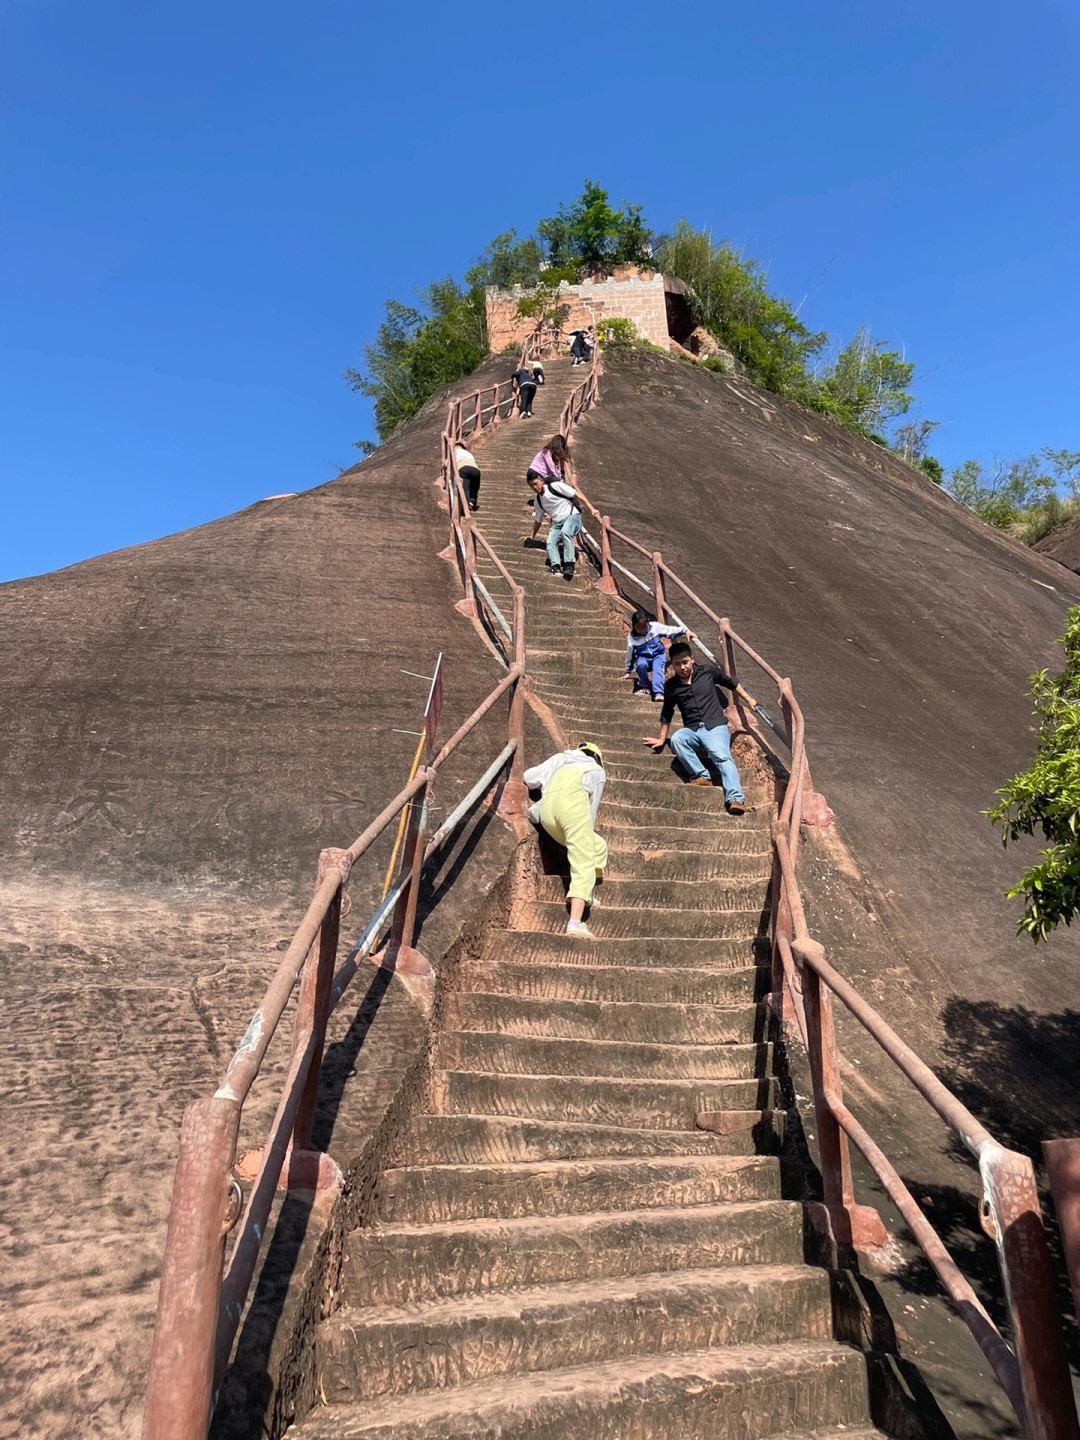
[590,234]
[731,299]
[1002,494]
[866,384]
[1065,466]
[418,350]
[1045,798]
[507,261]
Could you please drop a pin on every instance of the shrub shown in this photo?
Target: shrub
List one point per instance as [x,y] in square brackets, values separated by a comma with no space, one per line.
[617,333]
[1045,799]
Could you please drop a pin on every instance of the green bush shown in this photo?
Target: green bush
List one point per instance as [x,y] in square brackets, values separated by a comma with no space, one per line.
[617,333]
[1045,799]
[716,364]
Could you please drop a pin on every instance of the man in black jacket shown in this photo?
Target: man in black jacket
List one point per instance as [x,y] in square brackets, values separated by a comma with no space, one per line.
[695,690]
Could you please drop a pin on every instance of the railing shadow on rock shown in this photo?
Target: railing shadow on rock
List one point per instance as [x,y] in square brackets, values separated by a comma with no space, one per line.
[1032,1371]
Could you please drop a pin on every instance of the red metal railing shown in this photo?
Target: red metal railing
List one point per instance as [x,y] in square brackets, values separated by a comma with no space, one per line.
[201,1301]
[1033,1370]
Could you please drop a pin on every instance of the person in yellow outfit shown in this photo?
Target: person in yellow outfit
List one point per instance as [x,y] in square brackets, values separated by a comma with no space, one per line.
[572,786]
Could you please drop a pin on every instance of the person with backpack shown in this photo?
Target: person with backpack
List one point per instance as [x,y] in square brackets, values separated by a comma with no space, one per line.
[525,385]
[704,742]
[572,785]
[555,500]
[646,656]
[469,471]
[537,367]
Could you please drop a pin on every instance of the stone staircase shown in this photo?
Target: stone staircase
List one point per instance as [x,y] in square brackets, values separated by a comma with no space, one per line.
[563,1253]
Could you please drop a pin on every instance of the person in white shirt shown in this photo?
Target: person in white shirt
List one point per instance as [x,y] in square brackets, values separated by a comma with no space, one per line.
[572,786]
[469,471]
[646,656]
[556,501]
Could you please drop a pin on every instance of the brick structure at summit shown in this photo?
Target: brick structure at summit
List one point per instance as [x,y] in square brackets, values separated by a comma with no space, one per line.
[655,303]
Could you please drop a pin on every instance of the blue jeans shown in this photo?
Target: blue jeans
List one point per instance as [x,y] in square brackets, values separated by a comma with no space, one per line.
[688,746]
[562,534]
[650,662]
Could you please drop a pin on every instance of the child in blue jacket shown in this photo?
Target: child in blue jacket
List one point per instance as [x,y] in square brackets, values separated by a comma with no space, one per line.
[646,657]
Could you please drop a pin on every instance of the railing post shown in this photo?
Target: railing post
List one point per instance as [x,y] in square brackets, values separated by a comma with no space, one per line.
[1017,1225]
[658,584]
[400,953]
[844,1221]
[205,1206]
[313,1007]
[607,582]
[730,666]
[514,798]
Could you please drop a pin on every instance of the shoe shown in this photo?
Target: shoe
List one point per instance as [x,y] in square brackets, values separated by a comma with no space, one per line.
[568,571]
[555,567]
[736,807]
[579,930]
[658,695]
[473,506]
[702,780]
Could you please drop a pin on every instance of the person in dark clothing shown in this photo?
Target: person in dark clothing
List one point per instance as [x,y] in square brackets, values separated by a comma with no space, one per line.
[526,391]
[696,691]
[579,350]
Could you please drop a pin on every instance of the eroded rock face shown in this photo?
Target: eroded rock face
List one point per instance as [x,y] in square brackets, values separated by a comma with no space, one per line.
[1063,546]
[187,723]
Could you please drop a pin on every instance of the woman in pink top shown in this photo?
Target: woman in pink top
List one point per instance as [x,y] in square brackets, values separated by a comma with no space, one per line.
[552,462]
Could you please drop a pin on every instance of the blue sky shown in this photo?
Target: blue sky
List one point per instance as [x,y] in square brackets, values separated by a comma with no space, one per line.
[204,208]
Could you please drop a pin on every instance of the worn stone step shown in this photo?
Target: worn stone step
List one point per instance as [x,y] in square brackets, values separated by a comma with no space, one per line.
[632,984]
[655,818]
[677,865]
[745,1392]
[666,894]
[728,837]
[636,1059]
[415,1194]
[703,952]
[413,1264]
[383,1350]
[666,1024]
[611,921]
[500,1139]
[596,1100]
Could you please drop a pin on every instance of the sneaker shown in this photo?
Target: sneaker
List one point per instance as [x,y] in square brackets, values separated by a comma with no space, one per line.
[702,780]
[568,571]
[736,807]
[579,930]
[474,506]
[658,695]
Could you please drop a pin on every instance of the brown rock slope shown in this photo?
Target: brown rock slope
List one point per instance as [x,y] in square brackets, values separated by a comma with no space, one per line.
[560,1252]
[1063,546]
[185,724]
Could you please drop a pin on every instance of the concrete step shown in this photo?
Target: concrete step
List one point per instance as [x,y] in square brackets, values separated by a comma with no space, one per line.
[429,1194]
[499,1139]
[660,866]
[368,1353]
[596,1100]
[704,952]
[642,984]
[745,1392]
[666,894]
[666,1024]
[677,798]
[689,839]
[661,817]
[535,1055]
[413,1264]
[612,921]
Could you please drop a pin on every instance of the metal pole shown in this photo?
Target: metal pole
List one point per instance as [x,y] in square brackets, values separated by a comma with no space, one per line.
[1010,1190]
[606,582]
[313,1007]
[658,584]
[515,796]
[205,1206]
